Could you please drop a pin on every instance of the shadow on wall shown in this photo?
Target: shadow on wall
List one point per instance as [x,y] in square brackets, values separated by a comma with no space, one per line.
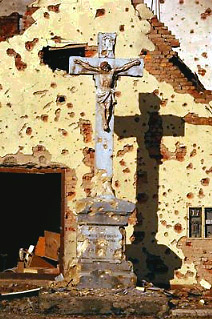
[152,261]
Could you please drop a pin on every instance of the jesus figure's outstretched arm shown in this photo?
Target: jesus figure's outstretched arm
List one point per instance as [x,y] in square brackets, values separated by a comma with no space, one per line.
[127,66]
[86,65]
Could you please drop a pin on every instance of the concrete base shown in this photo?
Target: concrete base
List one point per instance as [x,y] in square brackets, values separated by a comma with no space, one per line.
[101,243]
[107,275]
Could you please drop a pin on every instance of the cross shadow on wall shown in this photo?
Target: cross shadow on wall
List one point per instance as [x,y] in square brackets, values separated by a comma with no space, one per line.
[152,262]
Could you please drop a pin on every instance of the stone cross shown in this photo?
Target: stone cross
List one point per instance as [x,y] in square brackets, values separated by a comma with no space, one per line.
[105,69]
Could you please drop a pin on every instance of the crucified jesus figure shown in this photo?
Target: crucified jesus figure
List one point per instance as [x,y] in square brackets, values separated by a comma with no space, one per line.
[105,83]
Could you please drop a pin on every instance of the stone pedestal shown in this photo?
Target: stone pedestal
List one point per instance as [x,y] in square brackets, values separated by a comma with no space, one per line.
[101,243]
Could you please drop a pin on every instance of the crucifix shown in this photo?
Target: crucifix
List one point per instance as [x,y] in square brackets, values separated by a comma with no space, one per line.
[105,70]
[102,217]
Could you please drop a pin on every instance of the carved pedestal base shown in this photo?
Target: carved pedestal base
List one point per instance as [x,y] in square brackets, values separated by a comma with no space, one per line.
[101,243]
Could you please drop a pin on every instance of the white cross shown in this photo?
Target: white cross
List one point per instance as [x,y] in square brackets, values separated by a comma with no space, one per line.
[105,70]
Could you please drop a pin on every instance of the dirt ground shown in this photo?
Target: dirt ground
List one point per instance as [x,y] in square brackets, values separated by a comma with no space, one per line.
[61,302]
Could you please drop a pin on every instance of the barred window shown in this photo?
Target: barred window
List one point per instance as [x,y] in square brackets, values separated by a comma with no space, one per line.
[200,222]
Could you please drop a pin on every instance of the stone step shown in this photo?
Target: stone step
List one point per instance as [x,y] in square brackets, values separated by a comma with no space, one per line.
[191,313]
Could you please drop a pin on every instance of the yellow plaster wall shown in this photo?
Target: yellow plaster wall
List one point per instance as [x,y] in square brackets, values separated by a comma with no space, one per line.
[28,99]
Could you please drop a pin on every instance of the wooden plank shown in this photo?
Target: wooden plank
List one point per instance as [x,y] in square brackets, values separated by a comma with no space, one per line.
[52,245]
[38,263]
[40,247]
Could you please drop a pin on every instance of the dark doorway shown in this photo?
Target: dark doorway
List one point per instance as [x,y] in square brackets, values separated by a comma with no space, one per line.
[30,204]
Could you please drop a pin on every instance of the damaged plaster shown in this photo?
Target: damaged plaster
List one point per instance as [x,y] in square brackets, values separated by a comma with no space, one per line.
[161,157]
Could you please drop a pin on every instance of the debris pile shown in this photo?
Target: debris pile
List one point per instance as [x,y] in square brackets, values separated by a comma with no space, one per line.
[40,259]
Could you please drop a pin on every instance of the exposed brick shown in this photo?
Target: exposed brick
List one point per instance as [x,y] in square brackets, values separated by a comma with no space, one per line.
[86,130]
[9,26]
[27,17]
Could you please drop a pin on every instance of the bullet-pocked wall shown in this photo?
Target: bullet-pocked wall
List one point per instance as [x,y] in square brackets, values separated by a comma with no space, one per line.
[162,157]
[191,22]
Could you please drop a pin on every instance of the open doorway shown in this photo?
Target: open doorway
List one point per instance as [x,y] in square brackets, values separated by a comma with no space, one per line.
[30,205]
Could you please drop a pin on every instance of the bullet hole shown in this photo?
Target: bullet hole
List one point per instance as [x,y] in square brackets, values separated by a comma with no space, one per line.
[65,152]
[117,93]
[201,71]
[1,87]
[117,184]
[206,14]
[46,15]
[201,193]
[166,234]
[164,102]
[127,148]
[61,99]
[69,105]
[163,222]
[126,9]
[72,114]
[100,13]
[20,65]
[29,131]
[181,1]
[178,228]
[204,54]
[191,31]
[189,166]
[121,28]
[205,181]
[184,104]
[53,85]
[11,52]
[193,153]
[54,8]
[63,131]
[122,163]
[176,212]
[44,117]
[82,114]
[29,45]
[190,195]
[126,170]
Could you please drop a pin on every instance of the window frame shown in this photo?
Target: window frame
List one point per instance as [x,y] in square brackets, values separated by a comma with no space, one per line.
[203,222]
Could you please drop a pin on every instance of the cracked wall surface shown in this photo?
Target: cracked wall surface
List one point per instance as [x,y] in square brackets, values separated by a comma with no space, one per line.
[162,157]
